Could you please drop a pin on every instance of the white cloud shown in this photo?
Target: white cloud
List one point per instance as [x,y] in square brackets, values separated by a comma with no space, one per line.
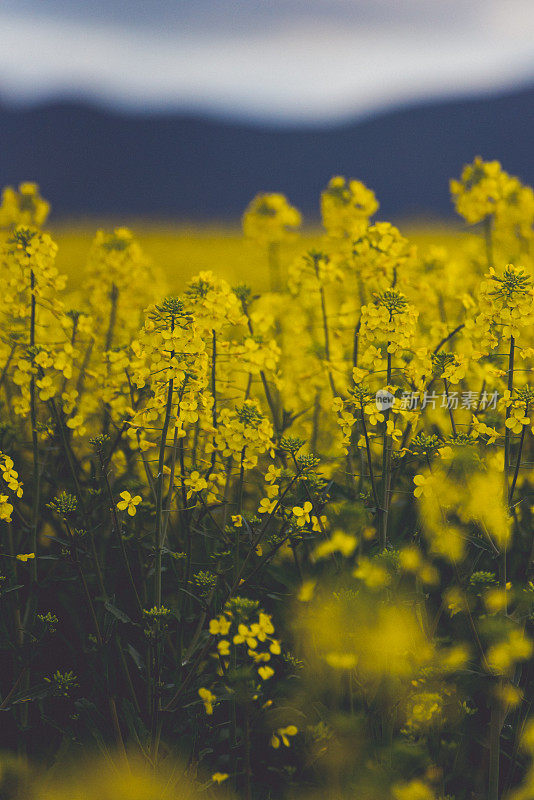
[312,68]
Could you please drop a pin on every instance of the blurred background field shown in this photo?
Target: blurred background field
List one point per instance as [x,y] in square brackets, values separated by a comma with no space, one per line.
[181,252]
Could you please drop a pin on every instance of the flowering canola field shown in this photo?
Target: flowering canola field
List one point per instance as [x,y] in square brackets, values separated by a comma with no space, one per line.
[266,504]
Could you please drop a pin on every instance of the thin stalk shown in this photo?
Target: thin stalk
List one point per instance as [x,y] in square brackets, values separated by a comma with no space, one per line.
[356,343]
[370,462]
[268,396]
[448,337]
[239,509]
[507,416]
[386,469]
[494,750]
[35,442]
[326,334]
[77,563]
[7,364]
[118,533]
[451,415]
[248,770]
[507,451]
[497,717]
[517,463]
[70,461]
[114,299]
[168,501]
[214,394]
[315,421]
[159,492]
[36,481]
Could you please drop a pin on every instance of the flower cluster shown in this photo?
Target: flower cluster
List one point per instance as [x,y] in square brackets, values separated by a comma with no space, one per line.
[256,637]
[270,219]
[346,207]
[349,461]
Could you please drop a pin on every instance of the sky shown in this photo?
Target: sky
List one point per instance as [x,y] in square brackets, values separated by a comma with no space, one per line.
[283,62]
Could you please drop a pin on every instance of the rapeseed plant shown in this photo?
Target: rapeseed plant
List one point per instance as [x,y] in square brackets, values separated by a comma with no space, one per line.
[286,536]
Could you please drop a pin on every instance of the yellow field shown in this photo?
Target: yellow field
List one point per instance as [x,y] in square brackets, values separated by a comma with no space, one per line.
[182,252]
[267,502]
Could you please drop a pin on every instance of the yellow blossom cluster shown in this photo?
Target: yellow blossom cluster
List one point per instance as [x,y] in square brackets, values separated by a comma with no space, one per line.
[352,449]
[346,207]
[270,219]
[11,478]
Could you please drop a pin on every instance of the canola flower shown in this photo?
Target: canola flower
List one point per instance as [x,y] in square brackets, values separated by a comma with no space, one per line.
[129,503]
[289,533]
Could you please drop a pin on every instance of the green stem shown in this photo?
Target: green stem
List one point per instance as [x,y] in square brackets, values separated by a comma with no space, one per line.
[451,415]
[370,462]
[159,492]
[326,333]
[118,533]
[7,364]
[70,461]
[268,396]
[494,750]
[497,717]
[35,442]
[517,463]
[214,394]
[114,298]
[386,469]
[507,416]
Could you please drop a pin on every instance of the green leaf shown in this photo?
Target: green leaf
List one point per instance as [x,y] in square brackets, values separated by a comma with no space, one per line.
[116,612]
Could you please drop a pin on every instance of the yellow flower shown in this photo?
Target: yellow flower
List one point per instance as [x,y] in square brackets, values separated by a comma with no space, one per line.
[410,559]
[346,207]
[196,483]
[129,502]
[219,777]
[342,660]
[270,218]
[502,656]
[374,415]
[372,573]
[220,625]
[208,698]
[223,647]
[25,556]
[6,508]
[275,648]
[413,790]
[455,600]
[272,473]
[237,520]
[244,634]
[420,482]
[267,506]
[302,513]
[265,673]
[319,523]
[339,542]
[307,590]
[281,736]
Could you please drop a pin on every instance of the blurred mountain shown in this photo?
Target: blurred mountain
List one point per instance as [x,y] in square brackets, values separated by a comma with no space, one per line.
[91,161]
